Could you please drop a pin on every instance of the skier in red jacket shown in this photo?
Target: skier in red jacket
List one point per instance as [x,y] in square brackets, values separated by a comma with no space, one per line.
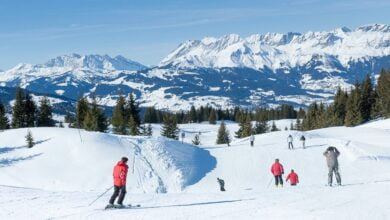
[120,175]
[277,171]
[293,177]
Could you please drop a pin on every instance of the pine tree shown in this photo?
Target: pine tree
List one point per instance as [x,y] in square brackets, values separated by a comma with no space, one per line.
[193,115]
[45,116]
[376,110]
[298,125]
[170,129]
[245,125]
[149,130]
[383,92]
[18,118]
[90,122]
[367,99]
[353,116]
[118,116]
[196,140]
[261,125]
[68,119]
[339,108]
[30,111]
[309,122]
[223,136]
[273,127]
[82,109]
[150,115]
[247,129]
[133,127]
[213,117]
[29,139]
[132,109]
[292,126]
[322,119]
[4,123]
[99,119]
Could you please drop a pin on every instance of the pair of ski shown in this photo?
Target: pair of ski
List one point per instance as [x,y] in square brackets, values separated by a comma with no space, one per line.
[128,206]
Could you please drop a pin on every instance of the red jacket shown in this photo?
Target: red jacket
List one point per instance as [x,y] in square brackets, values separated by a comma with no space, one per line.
[277,169]
[120,174]
[293,177]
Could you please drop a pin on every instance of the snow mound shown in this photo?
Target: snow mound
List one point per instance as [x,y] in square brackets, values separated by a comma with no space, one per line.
[68,159]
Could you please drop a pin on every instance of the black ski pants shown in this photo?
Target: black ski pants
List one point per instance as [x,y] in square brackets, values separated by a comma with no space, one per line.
[290,145]
[118,191]
[278,180]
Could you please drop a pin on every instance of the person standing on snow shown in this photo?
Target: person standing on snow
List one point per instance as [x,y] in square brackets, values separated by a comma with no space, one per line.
[293,177]
[252,140]
[290,142]
[303,139]
[277,170]
[331,155]
[120,175]
[221,183]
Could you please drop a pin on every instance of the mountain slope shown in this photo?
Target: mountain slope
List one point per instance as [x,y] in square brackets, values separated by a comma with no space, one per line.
[276,51]
[260,70]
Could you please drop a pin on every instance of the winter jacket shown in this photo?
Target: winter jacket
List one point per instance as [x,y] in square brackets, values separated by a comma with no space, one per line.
[293,177]
[120,174]
[303,138]
[252,138]
[289,139]
[277,169]
[331,155]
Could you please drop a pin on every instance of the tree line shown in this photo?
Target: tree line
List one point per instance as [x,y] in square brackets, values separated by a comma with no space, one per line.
[25,112]
[211,114]
[350,108]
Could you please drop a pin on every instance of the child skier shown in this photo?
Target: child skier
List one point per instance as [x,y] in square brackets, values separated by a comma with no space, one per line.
[293,177]
[221,183]
[277,170]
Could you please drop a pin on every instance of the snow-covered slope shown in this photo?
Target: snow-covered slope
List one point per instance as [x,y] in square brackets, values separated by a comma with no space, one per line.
[275,50]
[64,159]
[364,167]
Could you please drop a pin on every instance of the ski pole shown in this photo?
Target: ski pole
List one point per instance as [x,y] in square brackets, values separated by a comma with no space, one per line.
[269,183]
[101,195]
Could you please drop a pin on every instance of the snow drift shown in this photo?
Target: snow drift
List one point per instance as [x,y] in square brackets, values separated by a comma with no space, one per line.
[64,159]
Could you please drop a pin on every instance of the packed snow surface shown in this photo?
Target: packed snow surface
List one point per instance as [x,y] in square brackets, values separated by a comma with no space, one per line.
[62,175]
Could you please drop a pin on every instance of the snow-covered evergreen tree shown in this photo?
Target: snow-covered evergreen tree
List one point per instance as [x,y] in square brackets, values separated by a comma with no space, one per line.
[29,139]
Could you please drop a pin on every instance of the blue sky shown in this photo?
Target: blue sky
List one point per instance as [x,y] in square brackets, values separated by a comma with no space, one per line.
[33,31]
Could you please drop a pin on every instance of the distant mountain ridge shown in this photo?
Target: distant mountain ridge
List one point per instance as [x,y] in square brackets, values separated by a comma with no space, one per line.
[260,70]
[275,50]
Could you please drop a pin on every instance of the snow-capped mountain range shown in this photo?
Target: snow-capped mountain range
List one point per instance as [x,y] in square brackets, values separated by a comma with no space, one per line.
[263,70]
[278,51]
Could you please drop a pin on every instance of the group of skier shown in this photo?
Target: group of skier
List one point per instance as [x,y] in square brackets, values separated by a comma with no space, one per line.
[331,154]
[277,170]
[290,142]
